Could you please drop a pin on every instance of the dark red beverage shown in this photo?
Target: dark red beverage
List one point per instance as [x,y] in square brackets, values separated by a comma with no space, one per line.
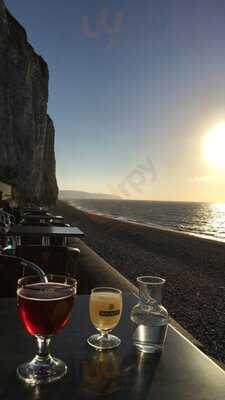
[45,308]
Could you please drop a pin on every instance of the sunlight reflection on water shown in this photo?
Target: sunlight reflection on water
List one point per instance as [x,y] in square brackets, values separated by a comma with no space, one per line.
[215,225]
[207,219]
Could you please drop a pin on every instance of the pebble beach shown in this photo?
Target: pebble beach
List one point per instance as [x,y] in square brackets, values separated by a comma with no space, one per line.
[193,268]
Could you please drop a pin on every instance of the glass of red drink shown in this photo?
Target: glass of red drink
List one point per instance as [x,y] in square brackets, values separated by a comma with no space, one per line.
[44,308]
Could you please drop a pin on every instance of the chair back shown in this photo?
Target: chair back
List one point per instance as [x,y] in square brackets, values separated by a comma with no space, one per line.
[52,259]
[10,272]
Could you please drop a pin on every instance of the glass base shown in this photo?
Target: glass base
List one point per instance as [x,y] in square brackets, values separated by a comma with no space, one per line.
[42,370]
[103,342]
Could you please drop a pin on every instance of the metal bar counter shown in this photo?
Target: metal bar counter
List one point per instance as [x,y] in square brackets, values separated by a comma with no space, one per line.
[182,372]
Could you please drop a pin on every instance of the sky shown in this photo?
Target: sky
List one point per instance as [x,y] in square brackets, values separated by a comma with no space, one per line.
[134,88]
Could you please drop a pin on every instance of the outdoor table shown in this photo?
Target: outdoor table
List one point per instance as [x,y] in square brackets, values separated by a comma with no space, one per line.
[19,231]
[36,219]
[181,373]
[59,217]
[39,212]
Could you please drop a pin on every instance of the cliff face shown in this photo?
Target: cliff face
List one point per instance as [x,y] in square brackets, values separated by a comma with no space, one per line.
[27,159]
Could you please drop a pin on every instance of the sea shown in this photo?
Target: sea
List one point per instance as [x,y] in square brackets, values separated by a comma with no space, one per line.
[201,219]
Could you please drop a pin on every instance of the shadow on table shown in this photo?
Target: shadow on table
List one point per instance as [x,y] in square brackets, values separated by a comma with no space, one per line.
[106,373]
[98,375]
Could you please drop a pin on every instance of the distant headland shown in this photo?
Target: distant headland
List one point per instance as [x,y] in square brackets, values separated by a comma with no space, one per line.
[76,194]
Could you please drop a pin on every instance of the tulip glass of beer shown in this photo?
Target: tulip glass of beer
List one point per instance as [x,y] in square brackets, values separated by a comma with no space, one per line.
[44,308]
[105,307]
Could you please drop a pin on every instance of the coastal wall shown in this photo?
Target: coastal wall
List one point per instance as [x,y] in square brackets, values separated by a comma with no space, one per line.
[94,271]
[27,158]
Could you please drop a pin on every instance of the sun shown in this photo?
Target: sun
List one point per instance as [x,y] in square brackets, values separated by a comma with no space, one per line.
[214,146]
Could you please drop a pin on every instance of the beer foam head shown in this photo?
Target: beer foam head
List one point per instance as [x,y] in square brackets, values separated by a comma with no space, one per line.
[46,291]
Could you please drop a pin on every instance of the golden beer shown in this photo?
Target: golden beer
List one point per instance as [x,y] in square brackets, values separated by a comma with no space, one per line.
[105,309]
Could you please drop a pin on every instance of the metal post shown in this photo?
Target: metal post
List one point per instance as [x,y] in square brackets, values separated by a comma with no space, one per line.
[64,243]
[45,241]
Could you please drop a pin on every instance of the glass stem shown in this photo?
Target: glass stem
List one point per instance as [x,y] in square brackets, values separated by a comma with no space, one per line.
[105,334]
[43,343]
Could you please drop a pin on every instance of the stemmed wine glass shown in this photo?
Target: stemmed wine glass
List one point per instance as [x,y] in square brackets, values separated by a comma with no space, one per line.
[44,308]
[105,307]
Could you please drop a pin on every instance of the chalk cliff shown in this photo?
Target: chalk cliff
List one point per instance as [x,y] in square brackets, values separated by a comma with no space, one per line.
[27,158]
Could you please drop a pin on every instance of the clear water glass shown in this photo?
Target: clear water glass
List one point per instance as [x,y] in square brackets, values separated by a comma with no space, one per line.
[149,316]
